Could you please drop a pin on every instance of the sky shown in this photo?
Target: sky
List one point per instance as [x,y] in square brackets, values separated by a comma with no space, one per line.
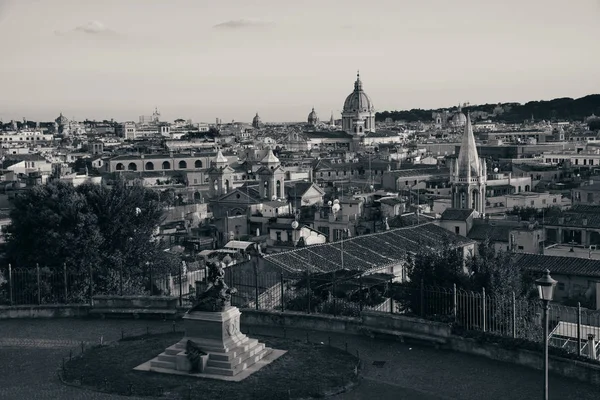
[228,59]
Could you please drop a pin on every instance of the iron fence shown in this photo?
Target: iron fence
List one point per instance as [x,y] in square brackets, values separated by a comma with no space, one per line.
[339,293]
[42,285]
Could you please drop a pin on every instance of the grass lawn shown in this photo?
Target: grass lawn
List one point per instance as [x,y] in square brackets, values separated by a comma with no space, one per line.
[306,370]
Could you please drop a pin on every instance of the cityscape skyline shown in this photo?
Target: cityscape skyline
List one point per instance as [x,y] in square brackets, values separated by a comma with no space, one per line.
[230,60]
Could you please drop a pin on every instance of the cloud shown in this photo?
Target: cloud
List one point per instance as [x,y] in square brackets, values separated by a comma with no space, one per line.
[243,24]
[95,28]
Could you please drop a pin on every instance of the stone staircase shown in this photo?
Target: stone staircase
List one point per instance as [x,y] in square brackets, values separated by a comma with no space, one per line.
[221,360]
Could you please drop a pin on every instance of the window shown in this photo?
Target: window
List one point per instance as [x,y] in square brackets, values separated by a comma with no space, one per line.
[543,201]
[554,200]
[278,236]
[590,197]
[532,202]
[561,286]
[457,230]
[520,247]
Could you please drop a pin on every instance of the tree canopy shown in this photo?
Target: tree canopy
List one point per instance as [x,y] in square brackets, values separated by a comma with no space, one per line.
[108,229]
[561,108]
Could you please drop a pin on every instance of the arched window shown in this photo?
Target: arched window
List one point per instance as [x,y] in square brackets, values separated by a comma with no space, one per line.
[120,167]
[166,165]
[132,166]
[198,164]
[149,166]
[182,164]
[197,196]
[216,185]
[278,189]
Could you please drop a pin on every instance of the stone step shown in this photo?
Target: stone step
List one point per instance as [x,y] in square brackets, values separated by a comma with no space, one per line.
[237,360]
[174,350]
[167,357]
[240,367]
[163,364]
[236,352]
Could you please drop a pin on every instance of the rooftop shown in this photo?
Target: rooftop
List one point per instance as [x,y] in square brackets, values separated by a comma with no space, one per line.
[559,265]
[367,252]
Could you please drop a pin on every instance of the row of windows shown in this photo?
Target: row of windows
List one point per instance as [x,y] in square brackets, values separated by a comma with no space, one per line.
[20,138]
[166,165]
[584,161]
[344,173]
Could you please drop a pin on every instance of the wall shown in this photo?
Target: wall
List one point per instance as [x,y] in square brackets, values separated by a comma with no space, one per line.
[44,311]
[574,369]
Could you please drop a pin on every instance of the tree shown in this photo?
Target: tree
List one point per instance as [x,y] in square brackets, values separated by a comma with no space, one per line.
[107,229]
[506,286]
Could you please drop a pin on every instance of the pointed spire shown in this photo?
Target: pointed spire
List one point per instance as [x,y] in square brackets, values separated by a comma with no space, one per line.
[468,159]
[221,160]
[270,158]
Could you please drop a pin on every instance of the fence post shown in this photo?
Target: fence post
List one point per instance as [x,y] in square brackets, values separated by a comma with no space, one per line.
[282,293]
[361,294]
[66,282]
[514,316]
[578,328]
[422,298]
[151,282]
[484,308]
[454,303]
[10,284]
[333,294]
[391,296]
[180,284]
[308,291]
[91,285]
[121,277]
[39,292]
[256,286]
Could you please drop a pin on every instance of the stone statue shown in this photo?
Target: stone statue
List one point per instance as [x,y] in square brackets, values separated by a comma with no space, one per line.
[217,296]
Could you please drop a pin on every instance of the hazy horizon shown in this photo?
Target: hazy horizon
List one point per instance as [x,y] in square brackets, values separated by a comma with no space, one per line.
[230,59]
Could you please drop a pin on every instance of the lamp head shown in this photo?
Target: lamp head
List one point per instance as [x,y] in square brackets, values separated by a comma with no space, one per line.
[546,286]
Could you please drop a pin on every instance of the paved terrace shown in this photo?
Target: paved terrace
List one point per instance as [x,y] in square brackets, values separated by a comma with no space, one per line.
[31,352]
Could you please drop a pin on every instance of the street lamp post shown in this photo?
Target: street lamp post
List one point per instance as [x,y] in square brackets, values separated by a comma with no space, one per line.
[545,287]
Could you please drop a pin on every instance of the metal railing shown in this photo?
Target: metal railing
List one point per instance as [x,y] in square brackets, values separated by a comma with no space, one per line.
[340,293]
[43,285]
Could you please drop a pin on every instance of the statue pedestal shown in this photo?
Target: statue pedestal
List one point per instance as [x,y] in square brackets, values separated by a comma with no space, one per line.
[231,355]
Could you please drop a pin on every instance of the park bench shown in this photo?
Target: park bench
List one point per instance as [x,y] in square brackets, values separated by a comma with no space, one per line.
[136,306]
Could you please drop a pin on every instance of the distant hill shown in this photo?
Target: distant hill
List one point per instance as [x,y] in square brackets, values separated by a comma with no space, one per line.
[562,109]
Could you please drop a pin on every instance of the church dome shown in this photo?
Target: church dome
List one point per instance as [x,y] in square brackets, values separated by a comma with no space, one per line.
[358,101]
[61,120]
[312,117]
[459,119]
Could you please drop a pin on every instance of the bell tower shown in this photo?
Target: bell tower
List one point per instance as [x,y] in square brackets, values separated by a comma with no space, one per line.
[468,174]
[272,177]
